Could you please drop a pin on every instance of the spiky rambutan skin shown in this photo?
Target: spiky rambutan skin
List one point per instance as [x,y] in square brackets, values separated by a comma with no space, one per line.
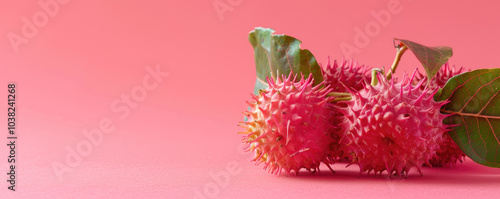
[348,72]
[449,153]
[442,76]
[392,127]
[336,118]
[338,76]
[288,126]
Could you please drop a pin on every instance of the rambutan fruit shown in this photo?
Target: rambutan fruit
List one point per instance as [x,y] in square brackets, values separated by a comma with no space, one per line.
[288,126]
[449,153]
[345,72]
[392,127]
[439,80]
[340,75]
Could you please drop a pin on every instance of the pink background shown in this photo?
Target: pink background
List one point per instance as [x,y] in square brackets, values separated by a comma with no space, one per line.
[90,53]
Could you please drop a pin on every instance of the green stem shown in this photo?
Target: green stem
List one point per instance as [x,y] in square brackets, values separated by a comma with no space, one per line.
[374,76]
[401,49]
[338,94]
[341,99]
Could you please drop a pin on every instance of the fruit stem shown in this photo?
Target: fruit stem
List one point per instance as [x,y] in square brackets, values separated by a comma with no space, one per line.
[341,99]
[374,76]
[401,49]
[338,94]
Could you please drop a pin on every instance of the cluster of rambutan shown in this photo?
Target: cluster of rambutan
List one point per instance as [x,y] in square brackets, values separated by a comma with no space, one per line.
[393,126]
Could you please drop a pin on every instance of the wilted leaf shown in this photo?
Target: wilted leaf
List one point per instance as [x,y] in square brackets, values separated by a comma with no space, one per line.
[432,58]
[475,102]
[279,54]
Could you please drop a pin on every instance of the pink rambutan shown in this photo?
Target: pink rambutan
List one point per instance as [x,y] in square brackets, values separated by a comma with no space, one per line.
[449,153]
[392,127]
[288,126]
[442,76]
[348,73]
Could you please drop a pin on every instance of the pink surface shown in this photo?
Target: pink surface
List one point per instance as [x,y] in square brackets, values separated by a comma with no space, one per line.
[178,130]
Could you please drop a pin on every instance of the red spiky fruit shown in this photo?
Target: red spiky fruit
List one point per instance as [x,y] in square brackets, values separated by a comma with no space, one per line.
[339,75]
[288,126]
[449,153]
[392,127]
[442,76]
[348,73]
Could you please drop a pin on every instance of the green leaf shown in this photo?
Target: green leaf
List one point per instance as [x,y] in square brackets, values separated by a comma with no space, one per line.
[432,58]
[277,55]
[474,101]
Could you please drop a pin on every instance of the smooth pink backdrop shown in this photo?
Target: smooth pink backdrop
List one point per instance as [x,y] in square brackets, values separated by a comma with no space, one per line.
[90,53]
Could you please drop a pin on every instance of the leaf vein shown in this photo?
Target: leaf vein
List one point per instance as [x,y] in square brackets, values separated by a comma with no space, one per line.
[492,130]
[471,114]
[489,83]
